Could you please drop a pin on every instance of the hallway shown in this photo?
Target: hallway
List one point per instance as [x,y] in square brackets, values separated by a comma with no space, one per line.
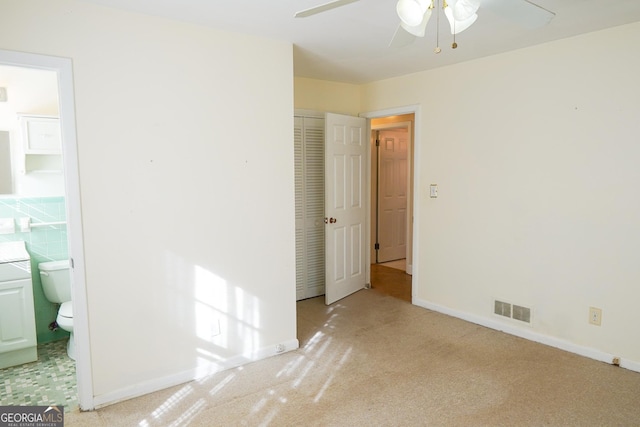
[391,281]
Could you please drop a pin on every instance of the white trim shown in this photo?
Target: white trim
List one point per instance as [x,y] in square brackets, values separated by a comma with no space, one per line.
[200,372]
[63,67]
[392,125]
[530,335]
[630,365]
[301,112]
[416,111]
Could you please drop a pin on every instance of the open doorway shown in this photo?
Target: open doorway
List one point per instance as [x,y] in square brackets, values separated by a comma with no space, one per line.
[392,204]
[309,154]
[47,176]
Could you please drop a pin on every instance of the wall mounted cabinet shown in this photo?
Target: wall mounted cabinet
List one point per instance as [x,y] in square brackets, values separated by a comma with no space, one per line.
[41,134]
[42,144]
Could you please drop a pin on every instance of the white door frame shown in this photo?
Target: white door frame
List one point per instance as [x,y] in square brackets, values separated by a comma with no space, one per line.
[63,68]
[416,111]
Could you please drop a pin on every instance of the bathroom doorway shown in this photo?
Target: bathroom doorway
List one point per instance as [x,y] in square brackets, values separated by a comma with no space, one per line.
[40,180]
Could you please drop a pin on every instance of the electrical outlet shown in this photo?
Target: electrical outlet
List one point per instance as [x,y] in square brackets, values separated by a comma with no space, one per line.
[595,316]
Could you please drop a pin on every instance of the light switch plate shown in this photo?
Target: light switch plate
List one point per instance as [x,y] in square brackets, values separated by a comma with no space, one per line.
[433,191]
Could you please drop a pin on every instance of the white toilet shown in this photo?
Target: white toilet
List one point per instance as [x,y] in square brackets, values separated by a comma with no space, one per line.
[56,284]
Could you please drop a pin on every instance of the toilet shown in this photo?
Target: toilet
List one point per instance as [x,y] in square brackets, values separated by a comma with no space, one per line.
[56,284]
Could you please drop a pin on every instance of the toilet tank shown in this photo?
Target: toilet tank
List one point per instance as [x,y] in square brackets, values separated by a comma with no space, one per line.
[56,280]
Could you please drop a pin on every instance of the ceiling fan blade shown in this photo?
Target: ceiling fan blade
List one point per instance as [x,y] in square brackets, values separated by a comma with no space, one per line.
[401,38]
[323,8]
[521,12]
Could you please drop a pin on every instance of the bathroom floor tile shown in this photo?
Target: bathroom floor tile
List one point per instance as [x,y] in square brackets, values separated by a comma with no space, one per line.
[51,380]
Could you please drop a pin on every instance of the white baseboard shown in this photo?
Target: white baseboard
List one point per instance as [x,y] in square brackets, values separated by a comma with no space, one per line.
[529,335]
[630,365]
[157,384]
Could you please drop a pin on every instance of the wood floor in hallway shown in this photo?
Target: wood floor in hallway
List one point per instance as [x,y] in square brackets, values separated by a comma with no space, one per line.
[391,281]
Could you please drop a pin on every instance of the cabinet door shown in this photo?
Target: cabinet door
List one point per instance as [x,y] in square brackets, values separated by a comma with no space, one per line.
[41,135]
[17,316]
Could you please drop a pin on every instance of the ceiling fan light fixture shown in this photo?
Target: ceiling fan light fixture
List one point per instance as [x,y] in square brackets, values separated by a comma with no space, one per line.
[411,12]
[458,26]
[464,9]
[420,29]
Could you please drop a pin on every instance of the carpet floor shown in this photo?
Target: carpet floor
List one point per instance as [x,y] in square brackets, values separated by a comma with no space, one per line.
[375,360]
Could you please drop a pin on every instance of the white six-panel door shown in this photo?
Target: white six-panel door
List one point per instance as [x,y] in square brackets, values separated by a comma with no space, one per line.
[392,195]
[345,205]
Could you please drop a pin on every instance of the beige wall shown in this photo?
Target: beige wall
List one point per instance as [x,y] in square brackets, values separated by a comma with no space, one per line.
[324,96]
[182,147]
[536,156]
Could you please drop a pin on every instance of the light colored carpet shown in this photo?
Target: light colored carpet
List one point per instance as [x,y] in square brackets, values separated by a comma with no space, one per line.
[374,360]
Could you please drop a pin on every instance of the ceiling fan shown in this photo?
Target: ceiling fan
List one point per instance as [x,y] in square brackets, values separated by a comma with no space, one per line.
[461,14]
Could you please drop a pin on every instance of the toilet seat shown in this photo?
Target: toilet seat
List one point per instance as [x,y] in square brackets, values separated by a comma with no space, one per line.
[65,316]
[66,310]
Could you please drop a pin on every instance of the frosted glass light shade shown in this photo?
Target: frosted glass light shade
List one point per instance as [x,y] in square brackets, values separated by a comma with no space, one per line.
[411,12]
[418,30]
[456,25]
[464,9]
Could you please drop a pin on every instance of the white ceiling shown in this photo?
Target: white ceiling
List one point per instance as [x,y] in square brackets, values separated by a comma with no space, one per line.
[350,43]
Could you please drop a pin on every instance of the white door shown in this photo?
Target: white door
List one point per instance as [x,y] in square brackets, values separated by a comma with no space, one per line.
[345,205]
[392,195]
[309,187]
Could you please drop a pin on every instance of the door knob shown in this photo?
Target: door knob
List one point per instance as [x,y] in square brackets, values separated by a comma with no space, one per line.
[333,220]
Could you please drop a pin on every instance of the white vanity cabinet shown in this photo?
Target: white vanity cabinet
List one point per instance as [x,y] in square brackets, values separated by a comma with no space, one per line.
[18,343]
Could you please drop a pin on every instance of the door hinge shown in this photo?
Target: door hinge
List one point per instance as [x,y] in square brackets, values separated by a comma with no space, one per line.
[377,246]
[377,143]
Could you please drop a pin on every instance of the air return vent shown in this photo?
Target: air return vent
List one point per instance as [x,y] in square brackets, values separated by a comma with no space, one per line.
[516,312]
[502,308]
[521,313]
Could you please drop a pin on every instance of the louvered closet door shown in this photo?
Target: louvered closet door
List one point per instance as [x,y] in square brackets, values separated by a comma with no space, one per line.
[309,189]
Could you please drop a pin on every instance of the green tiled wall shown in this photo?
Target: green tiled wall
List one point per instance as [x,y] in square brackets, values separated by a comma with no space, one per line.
[43,244]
